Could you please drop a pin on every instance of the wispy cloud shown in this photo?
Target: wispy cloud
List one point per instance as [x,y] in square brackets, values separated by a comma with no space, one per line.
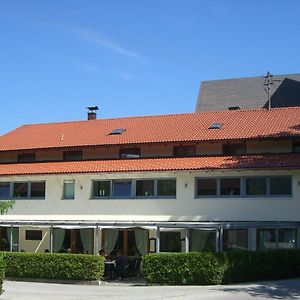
[103,41]
[128,76]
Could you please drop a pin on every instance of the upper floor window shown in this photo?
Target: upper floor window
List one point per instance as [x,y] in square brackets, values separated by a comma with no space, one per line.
[296,147]
[72,155]
[4,190]
[69,189]
[26,157]
[34,189]
[183,151]
[244,186]
[234,149]
[130,153]
[139,188]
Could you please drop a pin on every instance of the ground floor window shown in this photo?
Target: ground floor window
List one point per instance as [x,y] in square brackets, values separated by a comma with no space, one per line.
[202,240]
[170,241]
[235,239]
[266,239]
[287,238]
[5,238]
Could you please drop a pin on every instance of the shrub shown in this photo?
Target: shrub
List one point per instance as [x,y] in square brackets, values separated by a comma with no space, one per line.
[54,266]
[204,268]
[2,267]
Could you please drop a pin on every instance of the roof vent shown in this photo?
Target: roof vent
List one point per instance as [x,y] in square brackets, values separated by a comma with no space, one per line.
[117,131]
[215,125]
[234,108]
[92,112]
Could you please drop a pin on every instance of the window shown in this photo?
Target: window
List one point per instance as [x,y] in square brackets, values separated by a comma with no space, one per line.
[122,188]
[183,151]
[117,131]
[37,189]
[33,235]
[230,186]
[20,190]
[26,157]
[266,239]
[72,155]
[130,153]
[287,238]
[29,189]
[296,147]
[234,149]
[166,187]
[206,187]
[69,189]
[101,188]
[137,188]
[235,239]
[256,186]
[202,240]
[170,241]
[280,185]
[215,125]
[4,190]
[145,188]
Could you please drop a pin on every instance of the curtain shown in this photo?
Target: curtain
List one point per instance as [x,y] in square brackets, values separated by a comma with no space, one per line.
[141,240]
[58,238]
[15,240]
[87,239]
[111,236]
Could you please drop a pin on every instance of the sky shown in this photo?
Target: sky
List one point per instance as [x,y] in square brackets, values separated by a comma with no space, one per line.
[134,57]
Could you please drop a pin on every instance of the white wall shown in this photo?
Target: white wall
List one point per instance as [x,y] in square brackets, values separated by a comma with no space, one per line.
[184,208]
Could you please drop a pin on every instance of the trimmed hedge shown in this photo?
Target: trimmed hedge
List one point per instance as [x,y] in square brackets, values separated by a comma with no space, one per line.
[2,267]
[205,268]
[54,266]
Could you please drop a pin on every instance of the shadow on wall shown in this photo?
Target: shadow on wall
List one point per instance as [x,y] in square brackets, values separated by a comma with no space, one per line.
[287,94]
[284,289]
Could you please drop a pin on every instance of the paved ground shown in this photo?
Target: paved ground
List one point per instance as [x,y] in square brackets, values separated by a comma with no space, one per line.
[284,289]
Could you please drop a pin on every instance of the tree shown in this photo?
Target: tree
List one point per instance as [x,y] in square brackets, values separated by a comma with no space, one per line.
[5,206]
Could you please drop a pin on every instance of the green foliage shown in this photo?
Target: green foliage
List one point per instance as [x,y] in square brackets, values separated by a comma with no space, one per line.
[204,268]
[5,206]
[2,267]
[54,266]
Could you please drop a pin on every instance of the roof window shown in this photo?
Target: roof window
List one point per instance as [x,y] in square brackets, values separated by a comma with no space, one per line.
[215,125]
[117,131]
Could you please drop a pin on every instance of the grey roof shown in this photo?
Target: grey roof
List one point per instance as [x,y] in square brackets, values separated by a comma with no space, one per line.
[248,93]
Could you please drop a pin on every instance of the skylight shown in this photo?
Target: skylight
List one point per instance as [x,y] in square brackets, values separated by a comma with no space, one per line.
[215,125]
[117,131]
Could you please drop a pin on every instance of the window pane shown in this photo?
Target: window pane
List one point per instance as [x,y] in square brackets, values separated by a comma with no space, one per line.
[182,151]
[4,189]
[280,186]
[234,149]
[101,188]
[256,186]
[202,240]
[287,238]
[20,190]
[296,147]
[69,189]
[122,188]
[130,153]
[235,239]
[170,241]
[145,188]
[207,187]
[230,186]
[166,187]
[266,239]
[38,189]
[33,235]
[72,155]
[26,157]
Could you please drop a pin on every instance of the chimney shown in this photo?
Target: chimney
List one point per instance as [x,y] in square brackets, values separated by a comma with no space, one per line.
[92,115]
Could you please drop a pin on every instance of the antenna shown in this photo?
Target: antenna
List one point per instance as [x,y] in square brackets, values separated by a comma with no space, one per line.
[268,82]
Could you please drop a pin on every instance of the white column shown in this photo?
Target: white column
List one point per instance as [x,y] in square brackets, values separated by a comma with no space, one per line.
[187,241]
[11,238]
[51,239]
[157,240]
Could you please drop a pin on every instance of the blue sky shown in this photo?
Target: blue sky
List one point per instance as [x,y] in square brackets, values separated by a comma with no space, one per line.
[134,57]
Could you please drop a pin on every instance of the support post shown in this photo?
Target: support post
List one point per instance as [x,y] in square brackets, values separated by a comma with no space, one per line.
[11,238]
[157,240]
[187,240]
[51,239]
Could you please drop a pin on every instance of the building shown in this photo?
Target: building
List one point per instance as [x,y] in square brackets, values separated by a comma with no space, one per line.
[183,182]
[249,92]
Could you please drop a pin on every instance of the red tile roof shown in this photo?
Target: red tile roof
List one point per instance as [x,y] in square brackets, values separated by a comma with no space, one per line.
[260,161]
[238,124]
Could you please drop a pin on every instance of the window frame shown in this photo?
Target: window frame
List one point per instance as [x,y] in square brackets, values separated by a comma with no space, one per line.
[28,197]
[66,181]
[127,155]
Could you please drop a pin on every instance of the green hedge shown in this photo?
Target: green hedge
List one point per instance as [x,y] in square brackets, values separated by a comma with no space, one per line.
[2,267]
[54,266]
[205,268]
